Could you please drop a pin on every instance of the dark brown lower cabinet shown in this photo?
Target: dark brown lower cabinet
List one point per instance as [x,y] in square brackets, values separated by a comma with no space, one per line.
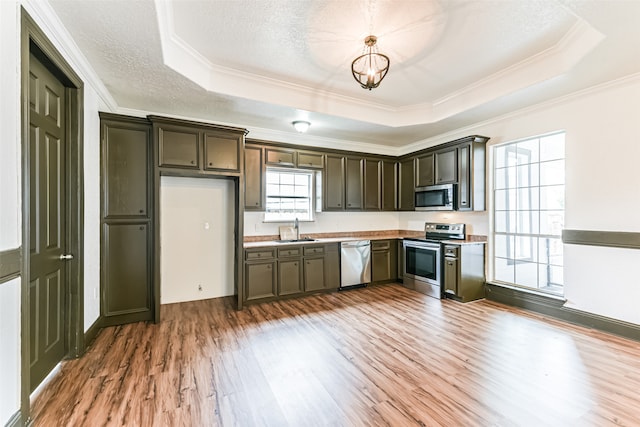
[260,280]
[289,277]
[384,261]
[283,271]
[464,278]
[314,274]
[126,273]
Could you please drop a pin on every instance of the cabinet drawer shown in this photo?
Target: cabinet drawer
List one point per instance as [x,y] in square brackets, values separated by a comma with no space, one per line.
[451,251]
[280,157]
[288,252]
[314,250]
[380,245]
[261,254]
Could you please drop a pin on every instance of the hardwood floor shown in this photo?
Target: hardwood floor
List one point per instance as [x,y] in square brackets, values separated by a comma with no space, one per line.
[376,356]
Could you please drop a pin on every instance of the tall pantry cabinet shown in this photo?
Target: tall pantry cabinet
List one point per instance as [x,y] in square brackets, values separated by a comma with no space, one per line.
[126,220]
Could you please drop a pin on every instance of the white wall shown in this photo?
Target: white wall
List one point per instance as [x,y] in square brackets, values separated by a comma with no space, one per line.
[196,237]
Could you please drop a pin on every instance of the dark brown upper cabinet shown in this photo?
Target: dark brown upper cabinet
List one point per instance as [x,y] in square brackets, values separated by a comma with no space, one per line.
[389,190]
[425,170]
[372,184]
[253,178]
[222,151]
[192,149]
[354,184]
[179,147]
[281,157]
[446,162]
[310,160]
[126,158]
[406,185]
[334,183]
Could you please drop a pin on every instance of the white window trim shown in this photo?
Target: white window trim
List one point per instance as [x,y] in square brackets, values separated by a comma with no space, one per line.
[312,196]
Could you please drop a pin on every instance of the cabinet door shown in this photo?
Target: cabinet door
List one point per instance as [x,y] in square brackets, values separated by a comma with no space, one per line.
[372,181]
[179,147]
[253,178]
[310,160]
[314,274]
[125,169]
[334,183]
[464,177]
[332,266]
[451,275]
[424,171]
[353,192]
[280,157]
[260,280]
[126,273]
[389,186]
[222,152]
[406,185]
[446,166]
[380,265]
[289,278]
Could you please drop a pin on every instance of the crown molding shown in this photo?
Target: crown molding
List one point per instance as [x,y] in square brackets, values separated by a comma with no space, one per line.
[551,62]
[46,18]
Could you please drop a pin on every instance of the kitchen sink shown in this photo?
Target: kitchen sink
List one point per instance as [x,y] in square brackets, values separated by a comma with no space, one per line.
[304,239]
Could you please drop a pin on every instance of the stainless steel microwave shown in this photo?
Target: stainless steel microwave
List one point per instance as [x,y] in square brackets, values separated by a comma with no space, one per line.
[436,198]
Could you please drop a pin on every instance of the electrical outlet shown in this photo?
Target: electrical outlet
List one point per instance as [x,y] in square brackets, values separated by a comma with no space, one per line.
[200,288]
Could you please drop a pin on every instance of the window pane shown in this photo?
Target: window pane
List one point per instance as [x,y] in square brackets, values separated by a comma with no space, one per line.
[505,222]
[528,176]
[501,178]
[527,222]
[551,222]
[552,172]
[528,151]
[527,274]
[505,200]
[289,195]
[528,198]
[504,270]
[504,246]
[552,147]
[552,197]
[526,248]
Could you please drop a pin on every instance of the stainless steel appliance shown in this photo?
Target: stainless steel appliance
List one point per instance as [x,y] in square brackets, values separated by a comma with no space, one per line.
[436,198]
[355,265]
[423,257]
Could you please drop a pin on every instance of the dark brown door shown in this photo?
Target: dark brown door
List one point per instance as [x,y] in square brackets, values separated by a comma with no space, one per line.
[48,280]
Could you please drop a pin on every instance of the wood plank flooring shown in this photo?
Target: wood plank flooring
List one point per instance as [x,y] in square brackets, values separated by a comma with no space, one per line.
[368,357]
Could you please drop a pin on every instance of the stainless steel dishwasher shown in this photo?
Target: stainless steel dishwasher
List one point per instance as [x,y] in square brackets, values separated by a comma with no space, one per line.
[355,265]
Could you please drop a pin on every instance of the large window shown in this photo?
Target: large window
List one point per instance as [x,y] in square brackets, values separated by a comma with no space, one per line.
[289,195]
[528,190]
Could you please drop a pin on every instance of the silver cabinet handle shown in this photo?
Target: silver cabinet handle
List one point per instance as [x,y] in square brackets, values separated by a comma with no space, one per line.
[66,257]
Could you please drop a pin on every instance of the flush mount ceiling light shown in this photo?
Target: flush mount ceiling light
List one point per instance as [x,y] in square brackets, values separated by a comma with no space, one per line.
[370,68]
[301,125]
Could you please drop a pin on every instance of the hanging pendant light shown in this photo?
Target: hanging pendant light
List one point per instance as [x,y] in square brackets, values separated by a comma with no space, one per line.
[370,68]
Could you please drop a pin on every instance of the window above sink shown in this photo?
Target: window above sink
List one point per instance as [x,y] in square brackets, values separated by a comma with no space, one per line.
[290,194]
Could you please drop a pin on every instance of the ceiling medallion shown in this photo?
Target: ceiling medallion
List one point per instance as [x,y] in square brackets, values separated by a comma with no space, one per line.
[370,68]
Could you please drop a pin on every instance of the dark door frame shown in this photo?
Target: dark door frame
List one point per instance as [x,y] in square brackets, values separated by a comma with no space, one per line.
[34,41]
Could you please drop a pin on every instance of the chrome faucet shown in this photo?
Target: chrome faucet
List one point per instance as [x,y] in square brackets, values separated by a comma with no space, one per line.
[296,225]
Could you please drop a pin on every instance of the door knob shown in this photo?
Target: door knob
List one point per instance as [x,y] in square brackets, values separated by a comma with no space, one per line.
[66,257]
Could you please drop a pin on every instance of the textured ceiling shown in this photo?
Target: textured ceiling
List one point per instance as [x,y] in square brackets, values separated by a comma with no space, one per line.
[261,64]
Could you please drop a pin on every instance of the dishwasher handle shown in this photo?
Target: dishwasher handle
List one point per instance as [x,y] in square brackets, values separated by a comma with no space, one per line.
[356,244]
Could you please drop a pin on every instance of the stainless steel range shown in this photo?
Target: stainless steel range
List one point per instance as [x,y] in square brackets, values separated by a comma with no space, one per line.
[423,257]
